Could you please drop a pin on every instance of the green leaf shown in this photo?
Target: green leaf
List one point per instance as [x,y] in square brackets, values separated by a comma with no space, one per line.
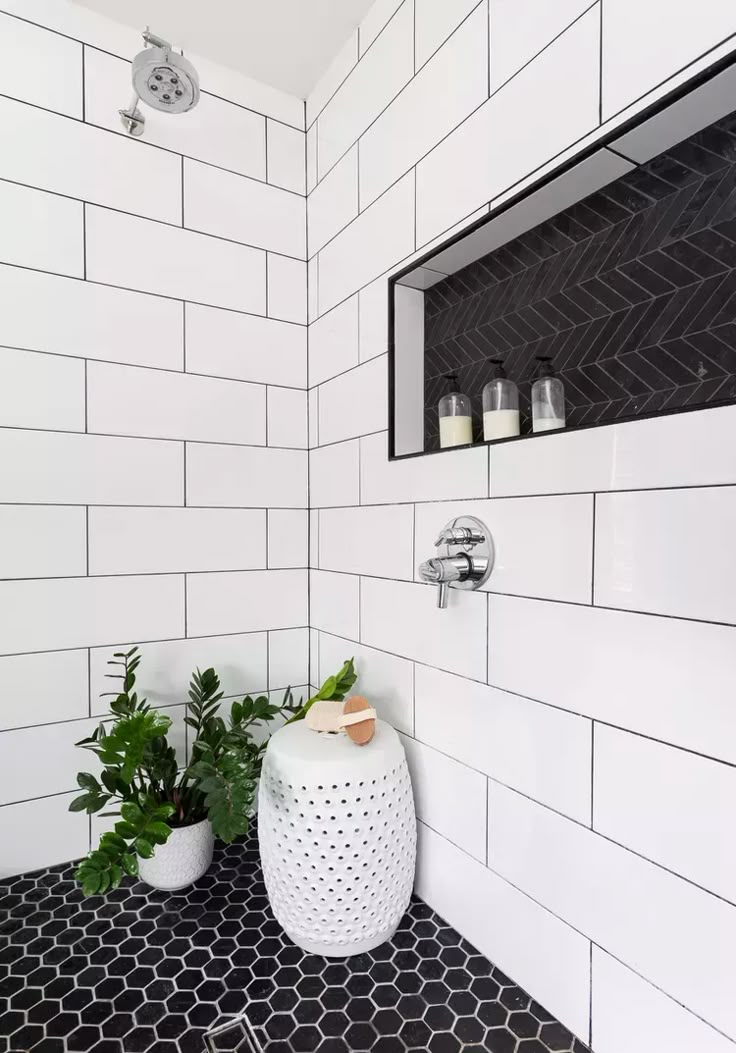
[130,864]
[143,848]
[158,833]
[132,814]
[125,830]
[79,804]
[91,883]
[116,875]
[87,781]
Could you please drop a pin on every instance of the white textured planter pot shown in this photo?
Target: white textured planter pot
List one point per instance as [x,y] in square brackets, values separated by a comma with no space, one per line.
[184,858]
[337,836]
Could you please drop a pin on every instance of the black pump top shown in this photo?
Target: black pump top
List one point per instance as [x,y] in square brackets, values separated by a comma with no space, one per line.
[452,378]
[499,373]
[545,366]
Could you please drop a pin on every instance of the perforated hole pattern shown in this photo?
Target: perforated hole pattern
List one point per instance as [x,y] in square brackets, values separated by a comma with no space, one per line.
[338,857]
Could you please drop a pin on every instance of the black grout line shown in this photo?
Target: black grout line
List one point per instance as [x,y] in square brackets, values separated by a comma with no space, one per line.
[600,62]
[592,567]
[186,606]
[488,10]
[84,240]
[86,408]
[86,539]
[157,438]
[183,223]
[590,999]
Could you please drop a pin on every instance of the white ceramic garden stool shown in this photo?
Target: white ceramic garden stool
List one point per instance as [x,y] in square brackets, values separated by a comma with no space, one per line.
[337,835]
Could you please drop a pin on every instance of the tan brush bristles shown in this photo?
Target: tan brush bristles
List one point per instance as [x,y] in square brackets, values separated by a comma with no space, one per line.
[361,733]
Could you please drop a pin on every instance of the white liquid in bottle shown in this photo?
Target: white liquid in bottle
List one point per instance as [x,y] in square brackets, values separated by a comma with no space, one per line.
[548,423]
[500,423]
[455,431]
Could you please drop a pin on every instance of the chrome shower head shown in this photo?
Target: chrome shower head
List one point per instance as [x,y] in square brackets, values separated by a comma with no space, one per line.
[163,79]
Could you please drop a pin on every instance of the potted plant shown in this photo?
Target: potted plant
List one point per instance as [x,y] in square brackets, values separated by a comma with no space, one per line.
[168,818]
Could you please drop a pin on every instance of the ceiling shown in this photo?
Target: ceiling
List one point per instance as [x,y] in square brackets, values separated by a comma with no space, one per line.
[285,43]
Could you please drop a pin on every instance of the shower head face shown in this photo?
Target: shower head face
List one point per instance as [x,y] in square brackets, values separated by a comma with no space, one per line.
[166,81]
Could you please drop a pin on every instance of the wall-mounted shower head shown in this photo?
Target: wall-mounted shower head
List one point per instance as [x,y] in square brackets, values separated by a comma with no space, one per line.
[163,79]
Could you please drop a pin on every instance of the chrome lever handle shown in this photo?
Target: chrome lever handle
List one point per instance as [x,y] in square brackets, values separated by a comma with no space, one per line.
[465,536]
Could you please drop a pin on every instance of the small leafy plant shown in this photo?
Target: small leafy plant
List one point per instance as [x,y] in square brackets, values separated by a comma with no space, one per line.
[141,781]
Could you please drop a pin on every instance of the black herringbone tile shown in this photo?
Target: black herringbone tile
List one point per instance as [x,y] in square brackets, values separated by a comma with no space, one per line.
[631,291]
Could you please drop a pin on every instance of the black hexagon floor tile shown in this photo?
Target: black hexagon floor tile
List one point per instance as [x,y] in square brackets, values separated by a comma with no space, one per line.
[142,971]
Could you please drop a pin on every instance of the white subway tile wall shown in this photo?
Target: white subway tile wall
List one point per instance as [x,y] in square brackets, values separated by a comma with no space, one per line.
[173,510]
[147,377]
[584,692]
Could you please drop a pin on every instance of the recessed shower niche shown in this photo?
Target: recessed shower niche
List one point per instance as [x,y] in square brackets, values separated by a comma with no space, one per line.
[620,265]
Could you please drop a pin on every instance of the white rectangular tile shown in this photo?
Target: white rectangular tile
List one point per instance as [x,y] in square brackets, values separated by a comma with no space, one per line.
[666,41]
[50,152]
[374,540]
[554,464]
[81,612]
[518,34]
[58,757]
[373,318]
[333,342]
[286,158]
[287,289]
[334,475]
[673,934]
[314,538]
[41,391]
[385,680]
[167,540]
[334,202]
[124,250]
[435,21]
[43,312]
[245,347]
[452,475]
[41,230]
[311,159]
[379,238]
[334,603]
[368,89]
[42,542]
[668,805]
[242,209]
[53,79]
[354,403]
[288,538]
[40,467]
[65,835]
[246,601]
[287,418]
[288,657]
[443,93]
[659,676]
[379,15]
[439,783]
[216,131]
[651,1020]
[663,551]
[166,667]
[543,752]
[518,935]
[127,400]
[543,546]
[552,103]
[313,289]
[685,449]
[403,617]
[313,417]
[332,78]
[246,477]
[43,688]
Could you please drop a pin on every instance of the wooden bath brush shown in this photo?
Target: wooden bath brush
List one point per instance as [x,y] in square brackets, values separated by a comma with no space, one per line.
[355,717]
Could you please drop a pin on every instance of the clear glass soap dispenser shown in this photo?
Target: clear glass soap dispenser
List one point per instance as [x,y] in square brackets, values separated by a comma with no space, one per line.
[500,405]
[548,398]
[456,423]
